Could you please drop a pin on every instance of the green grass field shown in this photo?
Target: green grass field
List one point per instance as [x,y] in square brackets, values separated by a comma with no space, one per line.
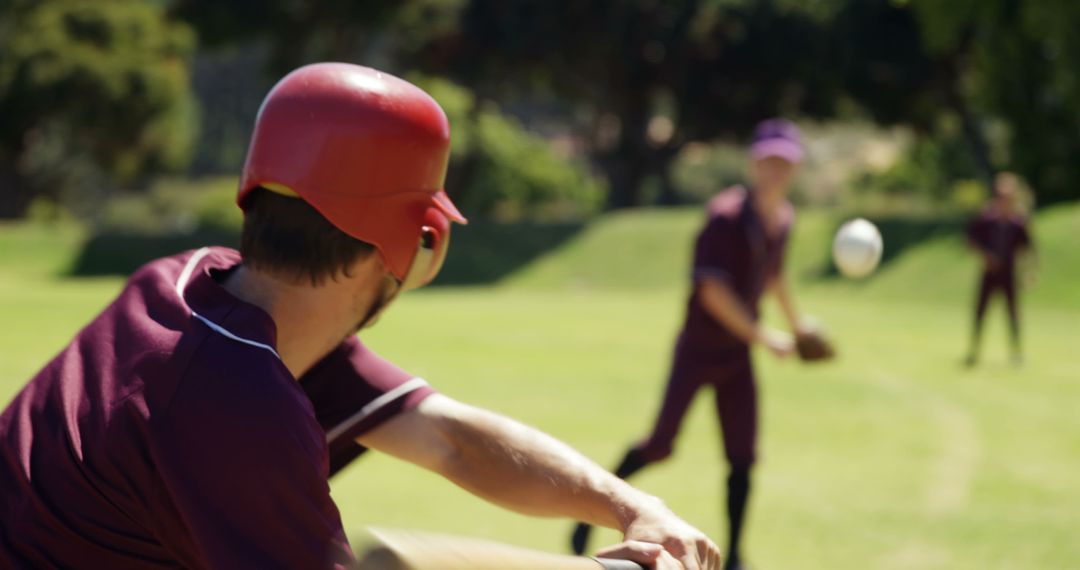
[891,457]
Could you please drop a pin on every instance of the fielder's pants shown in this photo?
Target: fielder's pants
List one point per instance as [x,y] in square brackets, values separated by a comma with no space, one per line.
[731,375]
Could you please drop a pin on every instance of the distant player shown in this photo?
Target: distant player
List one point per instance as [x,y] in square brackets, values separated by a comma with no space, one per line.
[195,422]
[999,234]
[738,256]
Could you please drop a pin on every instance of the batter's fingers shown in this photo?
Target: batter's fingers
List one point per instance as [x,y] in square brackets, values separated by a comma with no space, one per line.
[667,562]
[708,554]
[716,560]
[685,554]
[646,553]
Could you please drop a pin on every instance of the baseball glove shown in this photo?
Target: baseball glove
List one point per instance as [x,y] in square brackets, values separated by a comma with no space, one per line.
[814,347]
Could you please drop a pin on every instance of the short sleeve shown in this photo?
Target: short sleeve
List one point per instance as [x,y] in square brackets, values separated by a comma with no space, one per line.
[353,390]
[714,251]
[244,463]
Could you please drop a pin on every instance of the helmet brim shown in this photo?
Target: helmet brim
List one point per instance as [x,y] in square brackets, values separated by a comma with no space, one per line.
[446,206]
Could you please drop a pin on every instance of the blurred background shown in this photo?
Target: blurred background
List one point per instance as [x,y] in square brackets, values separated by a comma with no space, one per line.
[586,134]
[560,110]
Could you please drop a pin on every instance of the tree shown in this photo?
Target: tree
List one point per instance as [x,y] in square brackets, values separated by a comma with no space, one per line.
[638,80]
[372,31]
[89,92]
[647,76]
[1020,62]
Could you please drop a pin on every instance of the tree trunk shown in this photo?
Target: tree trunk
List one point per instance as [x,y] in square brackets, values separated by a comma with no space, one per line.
[668,194]
[973,134]
[15,196]
[627,166]
[626,175]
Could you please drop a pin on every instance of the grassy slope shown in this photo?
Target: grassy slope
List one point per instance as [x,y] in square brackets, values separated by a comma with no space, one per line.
[650,249]
[890,458]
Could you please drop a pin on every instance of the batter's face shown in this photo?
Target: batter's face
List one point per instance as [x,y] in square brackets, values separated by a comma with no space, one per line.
[388,291]
[373,287]
[772,173]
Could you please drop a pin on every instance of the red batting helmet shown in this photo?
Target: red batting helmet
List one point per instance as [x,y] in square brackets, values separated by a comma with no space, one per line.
[369,152]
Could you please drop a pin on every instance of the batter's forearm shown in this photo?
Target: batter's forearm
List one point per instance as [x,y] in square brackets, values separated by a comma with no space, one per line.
[525,470]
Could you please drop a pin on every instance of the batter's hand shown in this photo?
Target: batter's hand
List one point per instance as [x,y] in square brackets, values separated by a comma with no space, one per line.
[682,544]
[645,553]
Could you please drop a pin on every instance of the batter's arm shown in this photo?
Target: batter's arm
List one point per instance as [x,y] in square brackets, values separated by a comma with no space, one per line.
[527,471]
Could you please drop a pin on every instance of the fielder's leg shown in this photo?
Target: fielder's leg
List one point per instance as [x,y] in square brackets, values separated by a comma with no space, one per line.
[738,493]
[1009,287]
[985,288]
[682,385]
[736,405]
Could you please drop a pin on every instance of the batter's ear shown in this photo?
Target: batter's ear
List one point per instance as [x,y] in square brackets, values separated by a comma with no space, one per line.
[431,250]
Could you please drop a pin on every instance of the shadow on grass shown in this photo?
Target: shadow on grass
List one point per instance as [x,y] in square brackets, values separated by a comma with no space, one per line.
[480,253]
[901,233]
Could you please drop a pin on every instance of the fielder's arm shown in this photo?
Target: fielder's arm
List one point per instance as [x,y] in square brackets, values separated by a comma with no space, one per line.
[780,287]
[723,305]
[525,470]
[989,259]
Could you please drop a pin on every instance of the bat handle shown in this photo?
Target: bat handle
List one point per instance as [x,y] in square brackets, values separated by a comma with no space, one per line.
[613,564]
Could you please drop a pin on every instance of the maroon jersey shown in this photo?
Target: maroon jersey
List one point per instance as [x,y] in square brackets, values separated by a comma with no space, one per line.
[1002,235]
[169,433]
[734,247]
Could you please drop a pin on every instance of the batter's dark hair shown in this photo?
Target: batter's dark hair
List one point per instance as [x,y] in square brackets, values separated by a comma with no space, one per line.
[289,237]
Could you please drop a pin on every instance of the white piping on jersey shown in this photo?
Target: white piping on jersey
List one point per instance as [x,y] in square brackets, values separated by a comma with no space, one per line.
[365,412]
[181,285]
[375,405]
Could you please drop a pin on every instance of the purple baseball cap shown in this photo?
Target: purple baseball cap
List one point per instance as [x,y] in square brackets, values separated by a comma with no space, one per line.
[779,138]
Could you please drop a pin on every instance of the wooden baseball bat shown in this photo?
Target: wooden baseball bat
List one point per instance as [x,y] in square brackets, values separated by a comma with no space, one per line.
[413,550]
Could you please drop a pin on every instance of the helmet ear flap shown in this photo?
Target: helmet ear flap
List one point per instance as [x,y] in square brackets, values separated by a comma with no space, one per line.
[431,248]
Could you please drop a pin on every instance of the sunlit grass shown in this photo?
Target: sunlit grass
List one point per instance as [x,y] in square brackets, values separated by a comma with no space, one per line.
[891,457]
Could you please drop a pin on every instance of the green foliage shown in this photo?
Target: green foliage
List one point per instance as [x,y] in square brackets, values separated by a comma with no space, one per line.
[708,69]
[519,176]
[701,170]
[500,170]
[175,206]
[375,32]
[93,91]
[937,169]
[1021,65]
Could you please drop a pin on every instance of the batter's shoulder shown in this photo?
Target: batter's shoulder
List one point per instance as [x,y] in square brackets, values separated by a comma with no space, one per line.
[239,385]
[168,270]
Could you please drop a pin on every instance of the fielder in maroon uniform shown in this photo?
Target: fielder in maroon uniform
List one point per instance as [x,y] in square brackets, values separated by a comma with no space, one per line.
[195,422]
[999,234]
[738,255]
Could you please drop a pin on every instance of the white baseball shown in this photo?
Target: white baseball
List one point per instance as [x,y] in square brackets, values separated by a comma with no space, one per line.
[857,248]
